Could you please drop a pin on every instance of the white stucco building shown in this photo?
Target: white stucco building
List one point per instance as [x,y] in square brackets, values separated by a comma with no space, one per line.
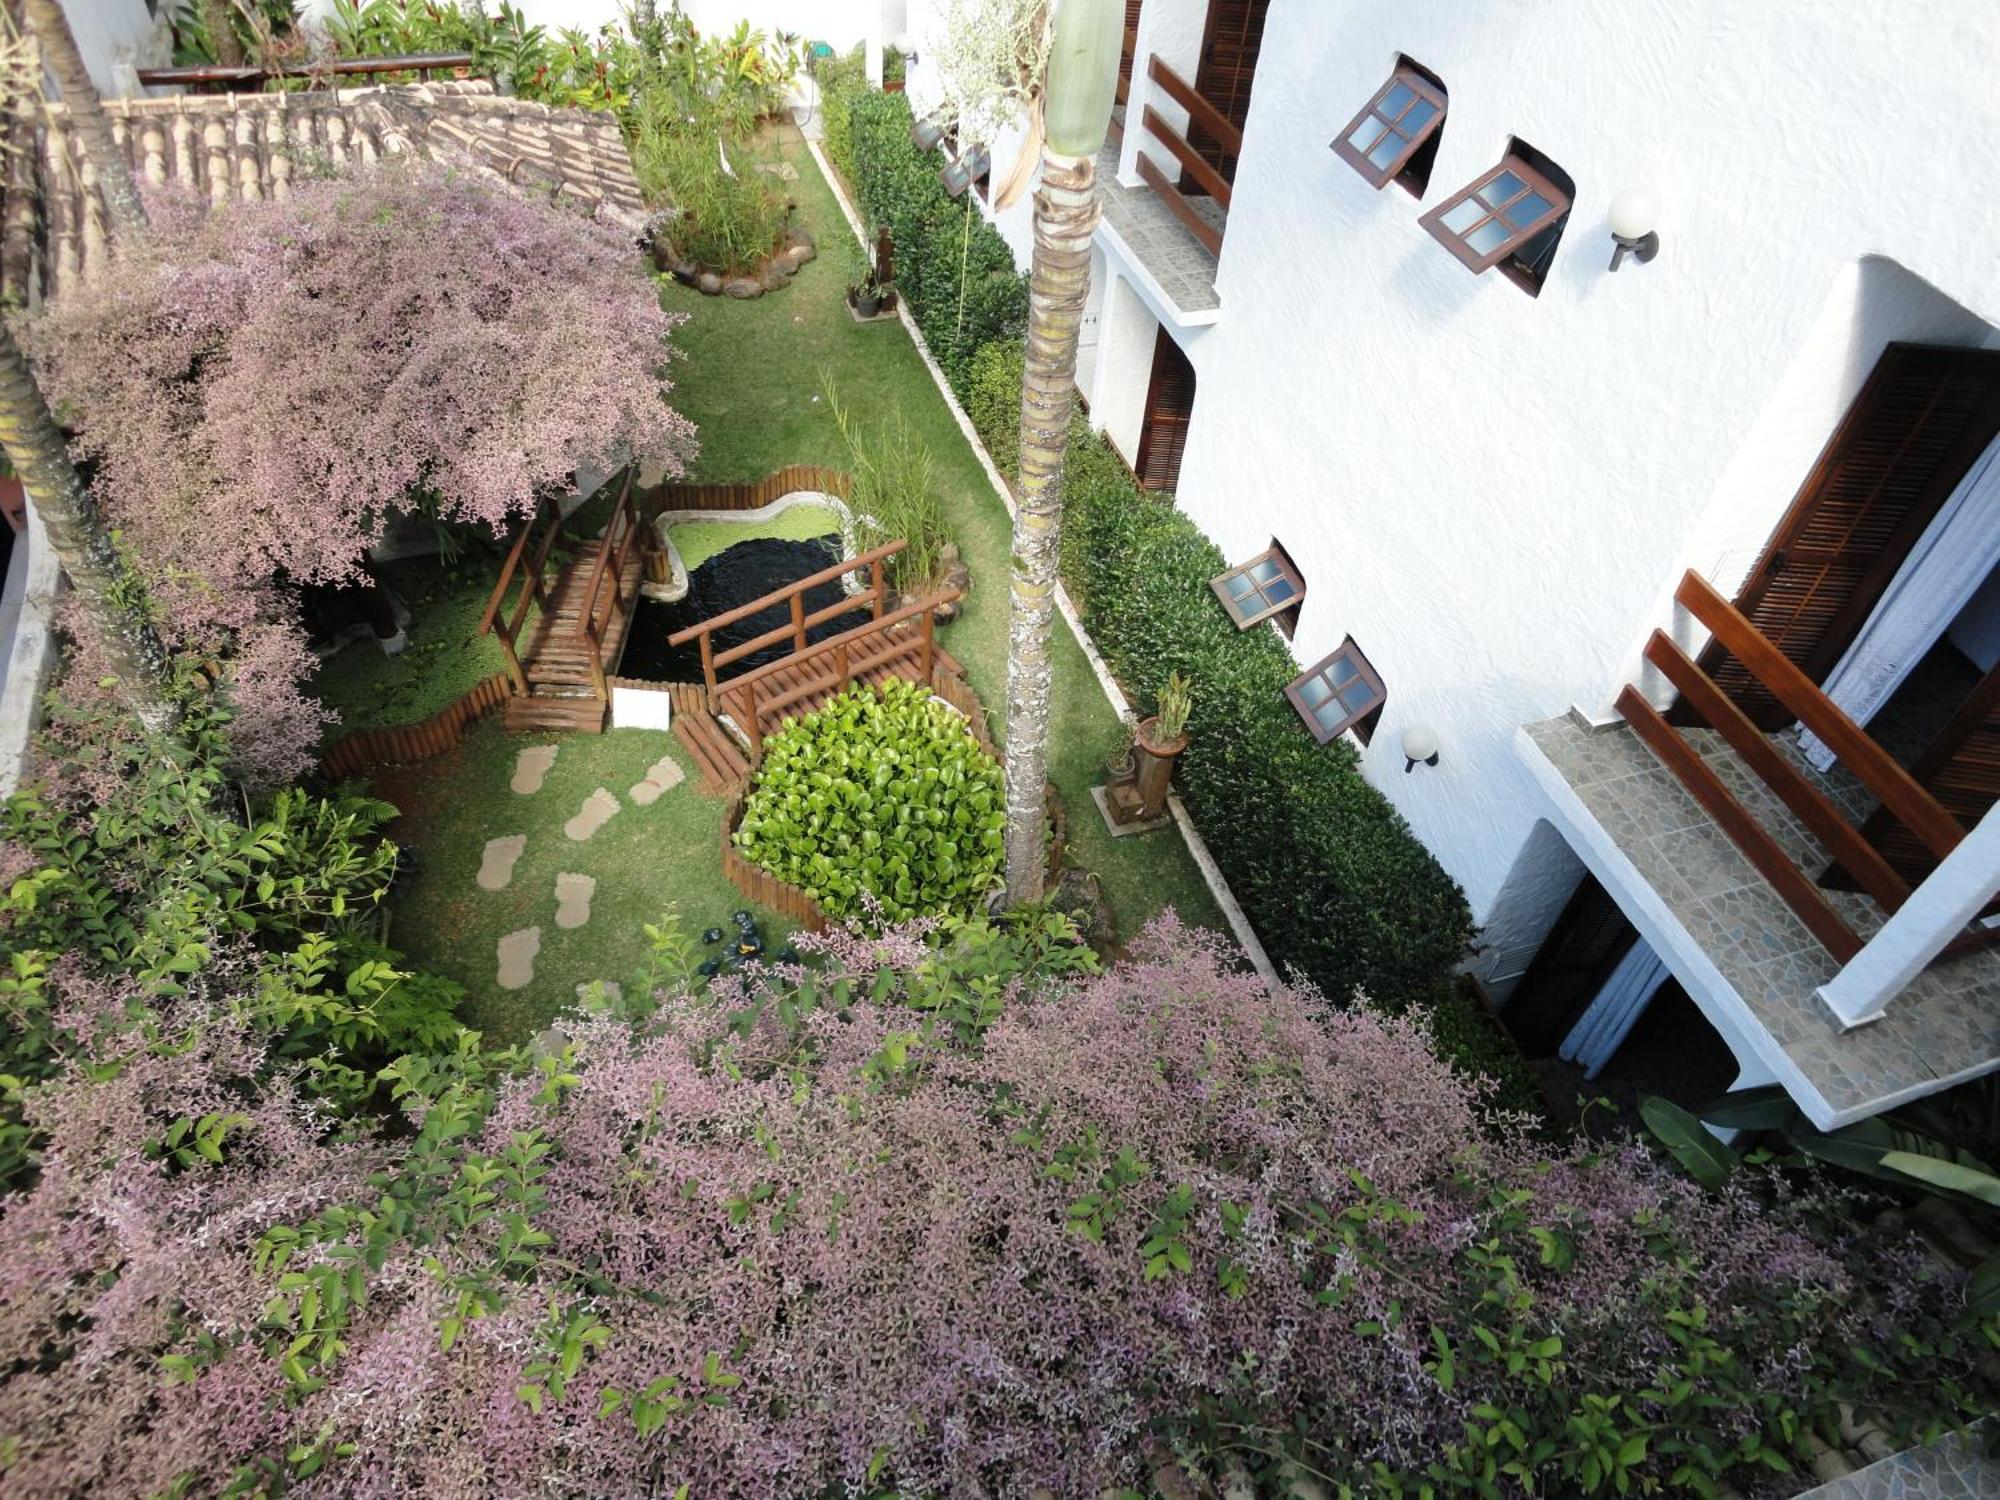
[1492,482]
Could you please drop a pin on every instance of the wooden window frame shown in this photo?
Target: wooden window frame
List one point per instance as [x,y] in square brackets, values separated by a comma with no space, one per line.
[1533,182]
[1422,87]
[1273,553]
[1363,722]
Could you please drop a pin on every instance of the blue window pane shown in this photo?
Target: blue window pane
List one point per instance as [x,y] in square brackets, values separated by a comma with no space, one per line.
[1264,571]
[1386,150]
[1278,590]
[1418,117]
[1358,700]
[1314,691]
[1396,100]
[1502,188]
[1489,237]
[1342,671]
[1529,209]
[1329,714]
[1462,215]
[1365,135]
[1237,585]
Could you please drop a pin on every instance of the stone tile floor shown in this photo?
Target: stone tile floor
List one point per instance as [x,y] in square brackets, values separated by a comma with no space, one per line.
[1177,260]
[1945,1025]
[1953,1468]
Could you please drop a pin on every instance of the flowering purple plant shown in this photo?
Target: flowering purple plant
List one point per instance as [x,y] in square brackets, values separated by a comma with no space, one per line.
[788,1238]
[263,392]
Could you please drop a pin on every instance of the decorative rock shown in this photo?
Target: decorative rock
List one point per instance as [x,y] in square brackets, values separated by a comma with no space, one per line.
[664,776]
[517,952]
[686,272]
[496,865]
[530,766]
[795,256]
[742,288]
[573,893]
[798,237]
[598,809]
[709,284]
[776,275]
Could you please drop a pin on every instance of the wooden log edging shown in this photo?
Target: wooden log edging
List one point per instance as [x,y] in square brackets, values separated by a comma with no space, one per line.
[368,750]
[754,496]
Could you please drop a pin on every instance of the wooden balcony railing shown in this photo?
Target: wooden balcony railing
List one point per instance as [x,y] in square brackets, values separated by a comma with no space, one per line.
[1206,174]
[605,606]
[1898,791]
[525,563]
[213,78]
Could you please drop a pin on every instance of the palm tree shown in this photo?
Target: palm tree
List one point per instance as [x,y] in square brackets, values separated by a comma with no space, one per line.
[87,118]
[1076,100]
[77,536]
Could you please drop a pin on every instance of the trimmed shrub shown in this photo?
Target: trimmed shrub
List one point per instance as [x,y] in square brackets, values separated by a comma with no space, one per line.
[842,80]
[882,794]
[993,402]
[953,270]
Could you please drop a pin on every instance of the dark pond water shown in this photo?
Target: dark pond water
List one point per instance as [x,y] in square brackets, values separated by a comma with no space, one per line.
[734,576]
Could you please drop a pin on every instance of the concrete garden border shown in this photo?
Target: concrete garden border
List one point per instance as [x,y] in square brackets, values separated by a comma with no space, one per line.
[676,586]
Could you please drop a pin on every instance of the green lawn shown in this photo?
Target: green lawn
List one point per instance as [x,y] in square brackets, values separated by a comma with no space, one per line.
[644,859]
[751,382]
[698,541]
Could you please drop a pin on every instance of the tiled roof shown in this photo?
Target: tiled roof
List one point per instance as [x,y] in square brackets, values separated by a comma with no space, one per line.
[253,146]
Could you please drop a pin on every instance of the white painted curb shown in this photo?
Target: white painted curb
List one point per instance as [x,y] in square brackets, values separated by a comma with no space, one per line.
[1232,910]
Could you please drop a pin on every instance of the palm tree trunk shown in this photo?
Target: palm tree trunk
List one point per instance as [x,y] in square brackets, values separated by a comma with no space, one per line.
[1065,219]
[77,535]
[92,125]
[216,21]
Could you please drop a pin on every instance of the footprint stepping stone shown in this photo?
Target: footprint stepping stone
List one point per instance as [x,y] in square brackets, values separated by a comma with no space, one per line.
[530,766]
[613,990]
[573,893]
[517,957]
[496,867]
[663,777]
[597,810]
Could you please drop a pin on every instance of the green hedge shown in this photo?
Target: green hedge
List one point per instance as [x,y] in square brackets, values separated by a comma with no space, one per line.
[953,271]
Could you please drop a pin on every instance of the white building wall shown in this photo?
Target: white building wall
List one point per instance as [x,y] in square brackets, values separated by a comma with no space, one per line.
[114,36]
[1493,493]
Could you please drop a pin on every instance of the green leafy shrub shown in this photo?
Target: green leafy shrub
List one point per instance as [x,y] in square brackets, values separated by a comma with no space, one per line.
[953,270]
[841,79]
[721,220]
[884,794]
[993,401]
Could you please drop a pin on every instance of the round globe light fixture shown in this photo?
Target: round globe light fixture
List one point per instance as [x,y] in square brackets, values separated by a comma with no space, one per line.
[1635,218]
[1420,743]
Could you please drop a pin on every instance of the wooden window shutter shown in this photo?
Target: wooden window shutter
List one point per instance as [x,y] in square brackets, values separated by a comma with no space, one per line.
[1925,414]
[1228,66]
[1132,9]
[1169,406]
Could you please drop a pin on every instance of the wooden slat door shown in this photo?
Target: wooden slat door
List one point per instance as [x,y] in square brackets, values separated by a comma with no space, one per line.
[1169,408]
[1925,414]
[1229,48]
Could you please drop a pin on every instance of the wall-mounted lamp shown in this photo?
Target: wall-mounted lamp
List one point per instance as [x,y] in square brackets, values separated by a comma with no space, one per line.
[927,132]
[1635,217]
[906,43]
[1420,743]
[960,174]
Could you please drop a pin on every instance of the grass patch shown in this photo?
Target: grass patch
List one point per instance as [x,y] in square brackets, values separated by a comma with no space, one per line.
[446,656]
[698,541]
[643,859]
[757,414]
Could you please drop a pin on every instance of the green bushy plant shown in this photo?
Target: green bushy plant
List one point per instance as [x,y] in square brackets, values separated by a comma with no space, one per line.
[841,79]
[955,273]
[895,494]
[722,220]
[882,794]
[993,401]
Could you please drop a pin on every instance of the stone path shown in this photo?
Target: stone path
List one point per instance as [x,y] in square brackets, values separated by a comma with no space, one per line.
[531,765]
[598,809]
[665,775]
[517,957]
[573,893]
[496,866]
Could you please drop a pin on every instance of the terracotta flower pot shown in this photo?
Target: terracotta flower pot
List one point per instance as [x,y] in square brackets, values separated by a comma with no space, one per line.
[1155,762]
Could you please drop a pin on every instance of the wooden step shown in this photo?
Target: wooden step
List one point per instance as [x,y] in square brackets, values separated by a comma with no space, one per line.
[574,715]
[723,765]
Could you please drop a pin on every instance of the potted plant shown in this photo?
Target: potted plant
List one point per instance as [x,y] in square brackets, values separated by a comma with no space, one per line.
[893,71]
[865,295]
[1161,739]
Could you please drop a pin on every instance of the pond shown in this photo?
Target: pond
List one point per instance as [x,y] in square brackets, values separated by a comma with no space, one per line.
[732,577]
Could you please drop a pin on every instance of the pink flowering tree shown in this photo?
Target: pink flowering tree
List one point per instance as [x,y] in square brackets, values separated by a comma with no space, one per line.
[266,390]
[916,1221]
